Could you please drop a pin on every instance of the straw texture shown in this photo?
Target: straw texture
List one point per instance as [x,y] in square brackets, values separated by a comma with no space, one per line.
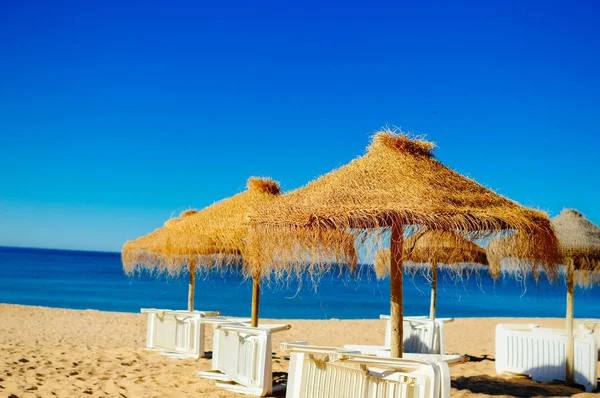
[209,237]
[396,182]
[579,239]
[442,247]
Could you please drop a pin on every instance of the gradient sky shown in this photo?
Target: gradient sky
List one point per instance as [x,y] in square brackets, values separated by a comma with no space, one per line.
[114,117]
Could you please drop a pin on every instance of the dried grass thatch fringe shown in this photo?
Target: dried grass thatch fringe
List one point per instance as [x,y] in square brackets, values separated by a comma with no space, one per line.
[396,181]
[579,241]
[442,247]
[315,255]
[212,237]
[142,261]
[584,278]
[455,272]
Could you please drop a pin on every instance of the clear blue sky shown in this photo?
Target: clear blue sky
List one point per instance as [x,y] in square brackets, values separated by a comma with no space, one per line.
[113,116]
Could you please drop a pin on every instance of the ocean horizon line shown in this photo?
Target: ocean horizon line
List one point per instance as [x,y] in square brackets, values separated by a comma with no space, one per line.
[54,249]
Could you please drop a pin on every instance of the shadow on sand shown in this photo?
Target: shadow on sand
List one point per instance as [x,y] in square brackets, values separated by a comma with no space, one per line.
[517,386]
[279,379]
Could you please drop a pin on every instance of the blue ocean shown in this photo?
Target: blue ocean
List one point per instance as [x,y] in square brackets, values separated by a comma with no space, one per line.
[93,280]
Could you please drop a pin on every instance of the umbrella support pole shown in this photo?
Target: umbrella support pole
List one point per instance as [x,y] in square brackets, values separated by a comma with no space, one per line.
[434,278]
[255,300]
[570,315]
[191,287]
[396,290]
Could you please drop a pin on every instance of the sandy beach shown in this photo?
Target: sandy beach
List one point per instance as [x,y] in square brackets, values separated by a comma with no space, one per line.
[66,353]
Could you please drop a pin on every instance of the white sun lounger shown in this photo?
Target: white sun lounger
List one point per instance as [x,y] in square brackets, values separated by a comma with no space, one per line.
[241,359]
[174,333]
[220,320]
[540,353]
[322,372]
[421,336]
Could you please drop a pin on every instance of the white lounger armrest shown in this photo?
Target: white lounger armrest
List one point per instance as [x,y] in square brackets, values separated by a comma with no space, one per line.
[225,319]
[206,313]
[517,326]
[426,319]
[302,346]
[161,310]
[244,323]
[365,349]
[450,359]
[273,328]
[418,317]
[382,361]
[290,345]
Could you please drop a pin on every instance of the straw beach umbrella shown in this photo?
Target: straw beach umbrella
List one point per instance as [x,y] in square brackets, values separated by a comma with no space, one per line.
[397,183]
[579,243]
[203,239]
[580,246]
[434,247]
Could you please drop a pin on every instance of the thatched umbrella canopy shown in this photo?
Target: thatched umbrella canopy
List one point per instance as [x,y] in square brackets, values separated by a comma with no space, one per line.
[579,239]
[579,244]
[433,247]
[214,236]
[397,183]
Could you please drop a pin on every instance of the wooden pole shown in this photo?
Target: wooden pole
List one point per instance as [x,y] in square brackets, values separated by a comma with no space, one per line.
[255,300]
[191,286]
[434,268]
[396,320]
[570,315]
[433,290]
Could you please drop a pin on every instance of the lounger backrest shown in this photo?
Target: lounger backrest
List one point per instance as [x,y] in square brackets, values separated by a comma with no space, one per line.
[315,372]
[421,335]
[541,353]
